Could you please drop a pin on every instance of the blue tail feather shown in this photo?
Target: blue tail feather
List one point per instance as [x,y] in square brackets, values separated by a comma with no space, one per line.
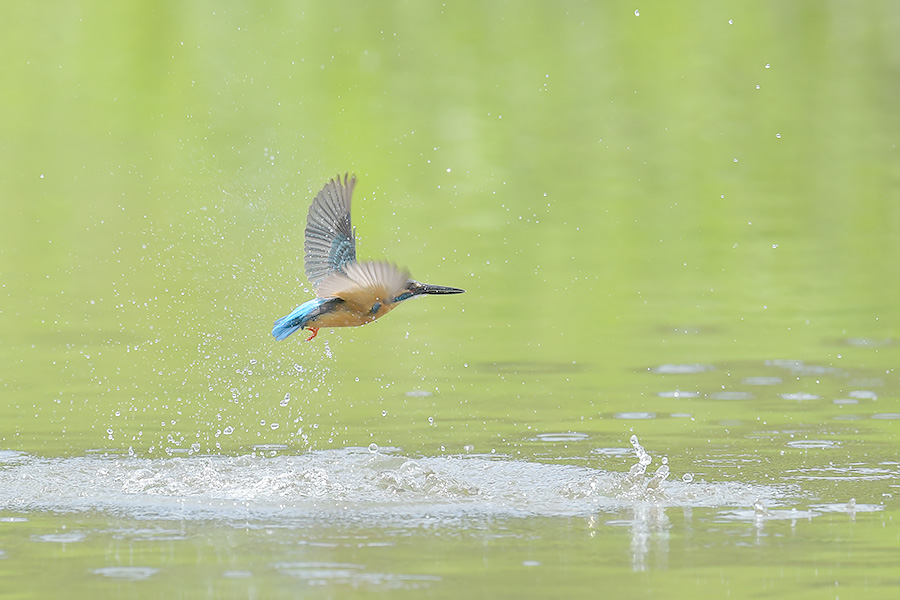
[285,326]
[301,316]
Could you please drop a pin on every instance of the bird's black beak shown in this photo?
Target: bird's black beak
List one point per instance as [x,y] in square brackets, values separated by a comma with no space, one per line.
[418,288]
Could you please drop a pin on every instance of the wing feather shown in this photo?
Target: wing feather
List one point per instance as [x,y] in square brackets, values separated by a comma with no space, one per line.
[330,242]
[363,284]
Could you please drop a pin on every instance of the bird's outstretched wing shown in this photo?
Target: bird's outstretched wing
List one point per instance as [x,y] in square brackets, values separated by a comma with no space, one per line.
[363,284]
[329,241]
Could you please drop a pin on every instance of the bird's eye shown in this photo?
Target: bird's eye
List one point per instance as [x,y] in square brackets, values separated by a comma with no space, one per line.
[375,307]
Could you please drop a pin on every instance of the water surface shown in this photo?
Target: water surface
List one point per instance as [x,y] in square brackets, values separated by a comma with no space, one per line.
[673,221]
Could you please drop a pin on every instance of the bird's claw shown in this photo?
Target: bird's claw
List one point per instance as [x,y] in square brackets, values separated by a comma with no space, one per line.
[315,332]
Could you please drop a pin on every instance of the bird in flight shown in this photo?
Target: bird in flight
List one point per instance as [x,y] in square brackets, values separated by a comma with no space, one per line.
[348,293]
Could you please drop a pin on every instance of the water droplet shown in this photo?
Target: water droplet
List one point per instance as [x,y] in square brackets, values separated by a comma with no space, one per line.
[228,430]
[637,13]
[274,426]
[287,399]
[373,448]
[687,477]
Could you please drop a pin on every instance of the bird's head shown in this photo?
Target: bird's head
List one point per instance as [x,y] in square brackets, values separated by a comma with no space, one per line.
[417,288]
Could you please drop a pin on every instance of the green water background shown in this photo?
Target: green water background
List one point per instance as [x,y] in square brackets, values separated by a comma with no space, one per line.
[707,184]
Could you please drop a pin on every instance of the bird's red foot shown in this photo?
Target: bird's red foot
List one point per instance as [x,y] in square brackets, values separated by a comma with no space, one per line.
[315,332]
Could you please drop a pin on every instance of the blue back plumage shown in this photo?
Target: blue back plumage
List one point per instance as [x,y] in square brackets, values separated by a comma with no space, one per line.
[329,239]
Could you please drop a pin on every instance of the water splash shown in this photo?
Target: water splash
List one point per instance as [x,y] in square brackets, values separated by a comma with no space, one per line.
[349,483]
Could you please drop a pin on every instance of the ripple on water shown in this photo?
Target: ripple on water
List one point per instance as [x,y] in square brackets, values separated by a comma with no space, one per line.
[867,342]
[849,507]
[798,367]
[676,369]
[848,418]
[763,514]
[149,535]
[320,573]
[851,472]
[886,416]
[613,451]
[677,394]
[126,573]
[813,444]
[800,396]
[762,380]
[634,415]
[237,574]
[569,436]
[60,538]
[269,448]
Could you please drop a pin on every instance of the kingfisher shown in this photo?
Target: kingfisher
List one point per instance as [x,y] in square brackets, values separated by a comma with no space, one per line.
[348,292]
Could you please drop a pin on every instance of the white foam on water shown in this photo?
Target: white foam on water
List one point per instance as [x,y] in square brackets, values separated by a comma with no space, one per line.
[350,483]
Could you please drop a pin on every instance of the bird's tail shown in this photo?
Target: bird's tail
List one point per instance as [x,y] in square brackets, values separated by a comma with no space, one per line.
[304,314]
[287,325]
